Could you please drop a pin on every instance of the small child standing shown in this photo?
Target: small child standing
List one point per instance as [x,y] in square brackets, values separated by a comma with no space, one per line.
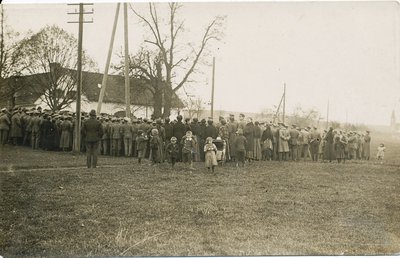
[381,152]
[172,150]
[141,141]
[155,145]
[188,143]
[240,146]
[209,150]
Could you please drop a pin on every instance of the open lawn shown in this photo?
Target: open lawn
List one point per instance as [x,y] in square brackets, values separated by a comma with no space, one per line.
[52,206]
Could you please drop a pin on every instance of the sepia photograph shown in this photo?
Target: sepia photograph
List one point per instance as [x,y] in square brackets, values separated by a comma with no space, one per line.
[221,128]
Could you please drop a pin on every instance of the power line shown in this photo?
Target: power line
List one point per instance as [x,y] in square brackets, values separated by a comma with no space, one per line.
[79,86]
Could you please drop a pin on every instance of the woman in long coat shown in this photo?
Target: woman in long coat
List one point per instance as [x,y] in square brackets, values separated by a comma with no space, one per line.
[257,141]
[266,140]
[339,148]
[329,153]
[47,133]
[248,133]
[367,146]
[66,130]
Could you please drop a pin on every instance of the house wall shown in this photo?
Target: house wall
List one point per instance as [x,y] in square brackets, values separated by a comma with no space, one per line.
[109,108]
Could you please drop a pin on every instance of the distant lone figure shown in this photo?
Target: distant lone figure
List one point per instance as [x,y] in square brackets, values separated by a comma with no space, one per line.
[92,131]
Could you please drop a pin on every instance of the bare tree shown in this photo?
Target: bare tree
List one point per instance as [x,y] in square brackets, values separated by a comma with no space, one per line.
[194,107]
[51,55]
[165,37]
[302,117]
[146,65]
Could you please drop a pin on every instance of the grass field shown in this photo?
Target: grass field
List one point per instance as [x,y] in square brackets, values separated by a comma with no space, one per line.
[52,206]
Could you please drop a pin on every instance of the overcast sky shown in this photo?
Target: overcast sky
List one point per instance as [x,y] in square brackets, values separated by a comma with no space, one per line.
[344,52]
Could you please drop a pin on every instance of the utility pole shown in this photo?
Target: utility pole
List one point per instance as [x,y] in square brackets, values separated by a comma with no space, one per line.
[127,89]
[77,142]
[212,89]
[284,102]
[105,76]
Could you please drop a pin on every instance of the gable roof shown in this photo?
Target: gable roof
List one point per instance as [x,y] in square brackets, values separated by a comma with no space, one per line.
[115,91]
[29,90]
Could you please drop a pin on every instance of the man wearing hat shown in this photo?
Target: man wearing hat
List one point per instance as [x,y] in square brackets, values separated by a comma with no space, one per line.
[16,127]
[283,146]
[35,130]
[127,133]
[315,139]
[93,132]
[275,141]
[178,131]
[232,129]
[242,123]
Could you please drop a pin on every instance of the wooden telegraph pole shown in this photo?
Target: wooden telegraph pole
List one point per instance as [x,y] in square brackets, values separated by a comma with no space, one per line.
[212,89]
[77,141]
[105,76]
[127,89]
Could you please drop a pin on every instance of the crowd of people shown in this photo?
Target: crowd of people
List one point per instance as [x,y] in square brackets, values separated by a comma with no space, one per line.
[184,140]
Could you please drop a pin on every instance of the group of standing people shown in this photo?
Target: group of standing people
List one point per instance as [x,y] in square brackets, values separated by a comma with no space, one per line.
[165,140]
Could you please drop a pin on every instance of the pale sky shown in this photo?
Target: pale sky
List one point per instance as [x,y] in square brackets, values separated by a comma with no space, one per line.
[344,52]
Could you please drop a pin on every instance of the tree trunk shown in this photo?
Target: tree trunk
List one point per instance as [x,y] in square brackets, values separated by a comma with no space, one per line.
[158,92]
[157,98]
[168,93]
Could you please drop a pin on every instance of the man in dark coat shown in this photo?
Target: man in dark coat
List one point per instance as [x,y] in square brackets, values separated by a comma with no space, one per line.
[329,147]
[315,139]
[179,130]
[201,134]
[16,127]
[211,130]
[92,130]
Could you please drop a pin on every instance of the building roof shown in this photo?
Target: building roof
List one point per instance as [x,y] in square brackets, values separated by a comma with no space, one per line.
[91,85]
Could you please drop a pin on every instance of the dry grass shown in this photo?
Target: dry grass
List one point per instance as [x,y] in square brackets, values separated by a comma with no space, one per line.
[267,208]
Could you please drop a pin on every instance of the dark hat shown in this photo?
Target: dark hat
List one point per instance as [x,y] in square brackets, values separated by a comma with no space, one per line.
[241,114]
[92,112]
[231,115]
[179,117]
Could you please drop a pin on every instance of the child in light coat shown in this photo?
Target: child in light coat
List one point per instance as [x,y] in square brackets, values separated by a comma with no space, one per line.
[210,158]
[381,152]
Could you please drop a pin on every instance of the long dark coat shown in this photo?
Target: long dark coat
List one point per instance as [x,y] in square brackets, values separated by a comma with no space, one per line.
[329,153]
[47,138]
[179,130]
[248,132]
